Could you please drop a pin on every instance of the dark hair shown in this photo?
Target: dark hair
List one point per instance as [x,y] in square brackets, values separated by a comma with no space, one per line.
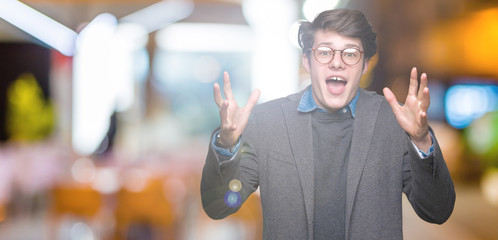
[349,23]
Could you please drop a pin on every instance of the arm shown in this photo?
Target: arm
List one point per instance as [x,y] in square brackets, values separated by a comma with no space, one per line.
[218,172]
[216,176]
[426,181]
[427,184]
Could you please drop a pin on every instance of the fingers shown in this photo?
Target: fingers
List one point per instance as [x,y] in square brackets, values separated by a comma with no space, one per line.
[423,94]
[224,113]
[412,89]
[218,99]
[253,99]
[421,91]
[423,115]
[227,90]
[226,124]
[425,99]
[391,99]
[232,117]
[423,85]
[227,86]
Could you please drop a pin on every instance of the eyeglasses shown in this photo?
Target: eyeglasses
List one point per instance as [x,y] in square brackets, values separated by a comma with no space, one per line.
[350,56]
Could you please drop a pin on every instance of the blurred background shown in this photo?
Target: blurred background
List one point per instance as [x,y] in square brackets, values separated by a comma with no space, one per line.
[106,107]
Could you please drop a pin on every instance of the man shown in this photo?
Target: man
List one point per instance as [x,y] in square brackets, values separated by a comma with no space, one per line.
[331,161]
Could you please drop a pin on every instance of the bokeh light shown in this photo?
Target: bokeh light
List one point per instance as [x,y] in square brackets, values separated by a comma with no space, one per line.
[135,179]
[482,137]
[311,8]
[489,186]
[81,231]
[106,181]
[175,190]
[232,199]
[465,103]
[83,170]
[235,185]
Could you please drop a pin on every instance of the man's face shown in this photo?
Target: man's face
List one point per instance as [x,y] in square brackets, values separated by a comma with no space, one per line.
[334,84]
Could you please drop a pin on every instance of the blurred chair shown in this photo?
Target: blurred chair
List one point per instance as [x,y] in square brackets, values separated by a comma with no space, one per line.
[81,201]
[74,204]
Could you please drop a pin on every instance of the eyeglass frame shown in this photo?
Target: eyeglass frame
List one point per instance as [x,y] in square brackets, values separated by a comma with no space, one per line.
[333,50]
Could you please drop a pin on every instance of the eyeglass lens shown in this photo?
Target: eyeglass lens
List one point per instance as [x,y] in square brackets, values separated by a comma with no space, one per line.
[349,56]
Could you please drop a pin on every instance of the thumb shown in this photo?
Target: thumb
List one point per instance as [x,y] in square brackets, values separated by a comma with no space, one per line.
[391,99]
[253,99]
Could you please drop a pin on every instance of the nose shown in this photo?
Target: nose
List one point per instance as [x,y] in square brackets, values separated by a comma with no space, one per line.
[336,61]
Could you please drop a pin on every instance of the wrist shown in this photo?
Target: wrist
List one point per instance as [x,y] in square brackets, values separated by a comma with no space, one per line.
[223,144]
[423,143]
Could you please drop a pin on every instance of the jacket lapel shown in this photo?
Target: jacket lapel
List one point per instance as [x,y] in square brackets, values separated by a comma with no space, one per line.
[300,136]
[366,112]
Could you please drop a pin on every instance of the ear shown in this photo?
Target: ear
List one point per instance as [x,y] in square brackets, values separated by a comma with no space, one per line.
[365,66]
[306,63]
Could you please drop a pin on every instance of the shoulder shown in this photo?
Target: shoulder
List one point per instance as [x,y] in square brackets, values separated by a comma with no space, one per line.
[374,97]
[373,100]
[367,95]
[268,119]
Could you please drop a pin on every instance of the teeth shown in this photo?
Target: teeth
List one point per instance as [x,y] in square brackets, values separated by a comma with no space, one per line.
[336,79]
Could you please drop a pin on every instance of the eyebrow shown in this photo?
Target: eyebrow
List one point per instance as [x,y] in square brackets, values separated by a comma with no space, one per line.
[349,45]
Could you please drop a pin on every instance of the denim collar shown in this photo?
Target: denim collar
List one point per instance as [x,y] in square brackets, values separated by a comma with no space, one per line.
[308,104]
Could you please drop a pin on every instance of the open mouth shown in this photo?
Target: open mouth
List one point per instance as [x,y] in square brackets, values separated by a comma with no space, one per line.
[336,85]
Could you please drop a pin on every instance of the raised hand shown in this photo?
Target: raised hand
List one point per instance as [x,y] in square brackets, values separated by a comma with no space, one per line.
[233,118]
[412,116]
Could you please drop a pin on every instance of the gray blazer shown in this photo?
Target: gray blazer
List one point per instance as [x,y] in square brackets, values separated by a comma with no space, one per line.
[277,155]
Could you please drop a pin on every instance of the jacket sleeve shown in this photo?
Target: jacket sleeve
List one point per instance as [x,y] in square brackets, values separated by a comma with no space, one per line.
[217,174]
[427,183]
